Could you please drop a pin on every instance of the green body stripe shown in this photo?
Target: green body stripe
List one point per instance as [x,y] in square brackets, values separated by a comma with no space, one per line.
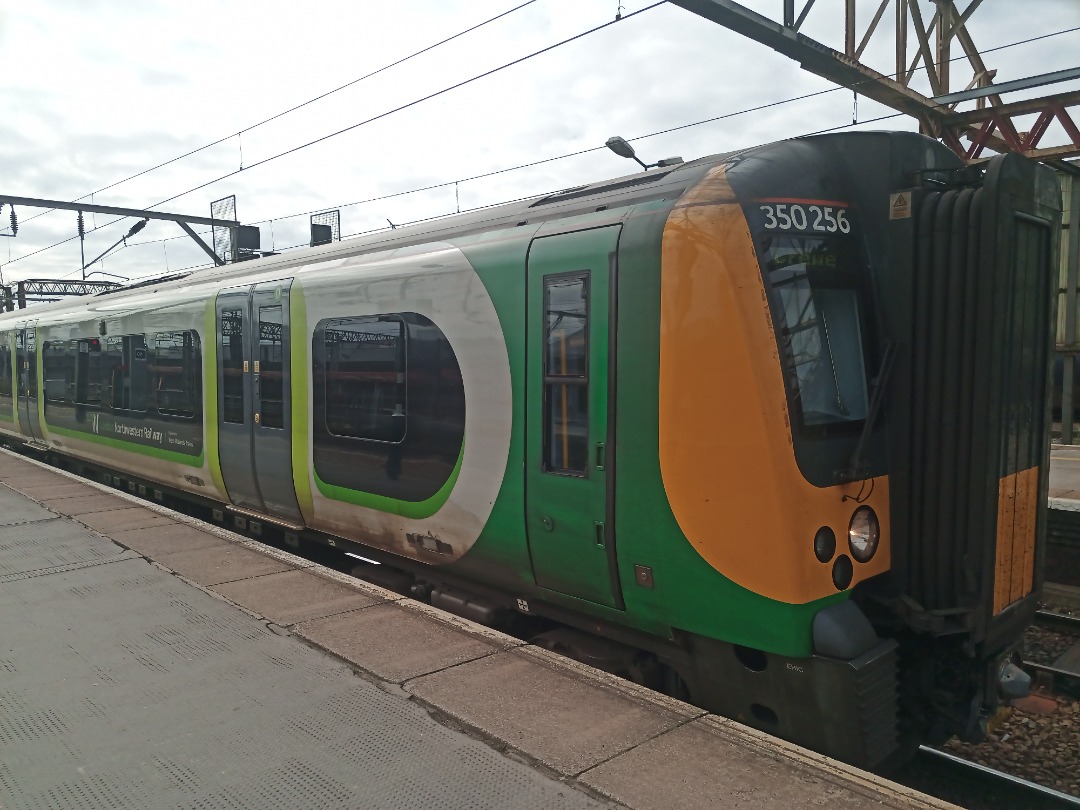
[409,509]
[130,447]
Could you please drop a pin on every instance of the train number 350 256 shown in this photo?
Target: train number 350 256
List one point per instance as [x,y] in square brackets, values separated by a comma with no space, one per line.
[795,217]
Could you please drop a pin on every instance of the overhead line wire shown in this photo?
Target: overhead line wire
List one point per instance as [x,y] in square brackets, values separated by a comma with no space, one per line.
[374,118]
[221,140]
[713,119]
[412,103]
[518,199]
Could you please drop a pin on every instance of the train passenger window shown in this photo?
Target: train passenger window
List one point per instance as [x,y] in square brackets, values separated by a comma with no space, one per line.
[174,374]
[231,341]
[388,405]
[31,364]
[271,368]
[566,378]
[89,375]
[6,377]
[58,370]
[127,372]
[364,378]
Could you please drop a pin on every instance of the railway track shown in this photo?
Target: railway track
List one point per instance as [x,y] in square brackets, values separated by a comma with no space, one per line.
[1057,679]
[977,786]
[1058,621]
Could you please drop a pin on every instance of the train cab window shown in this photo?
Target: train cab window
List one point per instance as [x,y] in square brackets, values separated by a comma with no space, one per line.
[175,369]
[815,297]
[566,374]
[271,389]
[364,370]
[231,342]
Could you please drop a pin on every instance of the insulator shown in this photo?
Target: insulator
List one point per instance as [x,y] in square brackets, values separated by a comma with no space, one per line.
[82,228]
[14,222]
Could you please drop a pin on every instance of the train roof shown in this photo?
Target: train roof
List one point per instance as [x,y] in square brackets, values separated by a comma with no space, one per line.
[616,193]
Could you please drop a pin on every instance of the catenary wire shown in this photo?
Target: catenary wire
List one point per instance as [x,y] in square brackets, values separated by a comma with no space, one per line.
[544,160]
[713,119]
[193,267]
[372,119]
[320,97]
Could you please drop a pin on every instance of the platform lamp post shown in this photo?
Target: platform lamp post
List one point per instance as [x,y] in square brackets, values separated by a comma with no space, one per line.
[138,226]
[621,147]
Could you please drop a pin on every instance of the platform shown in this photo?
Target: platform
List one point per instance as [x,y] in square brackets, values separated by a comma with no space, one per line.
[151,661]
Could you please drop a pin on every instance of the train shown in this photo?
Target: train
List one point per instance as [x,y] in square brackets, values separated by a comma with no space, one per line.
[765,430]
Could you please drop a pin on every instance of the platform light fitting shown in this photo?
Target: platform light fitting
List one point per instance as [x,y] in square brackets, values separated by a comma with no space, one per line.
[621,147]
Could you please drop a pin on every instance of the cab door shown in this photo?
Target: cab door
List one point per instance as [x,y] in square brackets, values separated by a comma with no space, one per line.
[254,406]
[27,359]
[569,484]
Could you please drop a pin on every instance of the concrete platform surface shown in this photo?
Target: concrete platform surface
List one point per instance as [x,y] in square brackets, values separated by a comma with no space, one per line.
[147,660]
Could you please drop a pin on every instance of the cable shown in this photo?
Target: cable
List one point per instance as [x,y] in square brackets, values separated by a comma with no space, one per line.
[544,160]
[378,117]
[193,267]
[409,104]
[713,119]
[298,106]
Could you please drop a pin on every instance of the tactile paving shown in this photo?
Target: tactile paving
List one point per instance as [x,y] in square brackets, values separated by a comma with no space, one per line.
[124,687]
[53,544]
[15,508]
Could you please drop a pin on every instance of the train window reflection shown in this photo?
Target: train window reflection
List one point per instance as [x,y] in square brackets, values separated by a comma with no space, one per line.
[30,371]
[566,381]
[175,372]
[271,368]
[365,378]
[127,369]
[6,376]
[88,372]
[814,292]
[58,370]
[231,342]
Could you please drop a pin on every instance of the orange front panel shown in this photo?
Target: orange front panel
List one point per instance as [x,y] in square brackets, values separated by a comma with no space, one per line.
[726,452]
[1016,523]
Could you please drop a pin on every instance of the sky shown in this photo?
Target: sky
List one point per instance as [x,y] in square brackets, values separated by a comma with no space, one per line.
[95,91]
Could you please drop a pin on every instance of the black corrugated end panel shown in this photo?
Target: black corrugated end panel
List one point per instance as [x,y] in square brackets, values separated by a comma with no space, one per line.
[971,392]
[876,698]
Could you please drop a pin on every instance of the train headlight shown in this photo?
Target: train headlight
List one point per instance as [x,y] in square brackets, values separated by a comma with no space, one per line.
[863,534]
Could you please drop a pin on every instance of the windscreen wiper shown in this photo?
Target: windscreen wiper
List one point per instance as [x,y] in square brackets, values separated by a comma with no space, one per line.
[855,471]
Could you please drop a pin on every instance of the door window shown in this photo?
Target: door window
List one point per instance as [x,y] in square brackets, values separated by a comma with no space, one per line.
[566,374]
[231,341]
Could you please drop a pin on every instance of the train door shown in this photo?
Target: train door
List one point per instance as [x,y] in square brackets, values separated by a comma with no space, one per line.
[254,408]
[569,483]
[26,358]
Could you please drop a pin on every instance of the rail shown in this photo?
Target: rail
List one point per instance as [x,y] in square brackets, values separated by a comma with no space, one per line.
[1001,789]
